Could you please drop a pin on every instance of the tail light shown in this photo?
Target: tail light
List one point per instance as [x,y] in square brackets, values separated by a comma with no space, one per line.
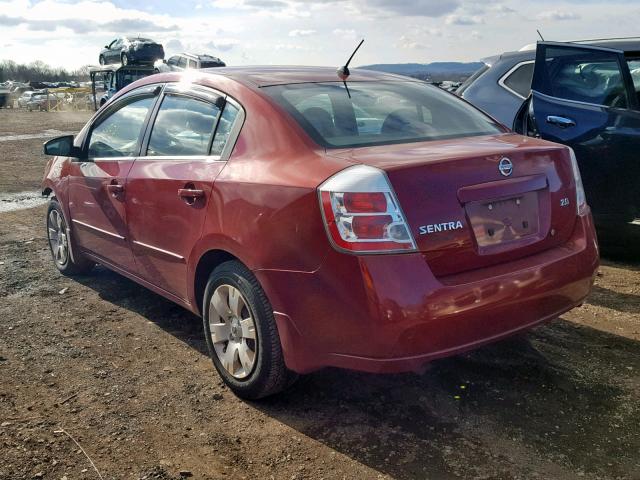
[362,214]
[581,199]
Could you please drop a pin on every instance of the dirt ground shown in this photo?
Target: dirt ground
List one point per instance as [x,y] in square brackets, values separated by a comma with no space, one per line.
[125,373]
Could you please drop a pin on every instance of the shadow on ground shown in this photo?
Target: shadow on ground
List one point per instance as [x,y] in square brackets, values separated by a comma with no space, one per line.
[561,400]
[620,241]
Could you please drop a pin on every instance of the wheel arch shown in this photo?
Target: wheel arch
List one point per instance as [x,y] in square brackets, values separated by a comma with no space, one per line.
[207,262]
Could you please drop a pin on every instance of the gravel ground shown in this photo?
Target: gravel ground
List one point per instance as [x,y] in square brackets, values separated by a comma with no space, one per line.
[100,361]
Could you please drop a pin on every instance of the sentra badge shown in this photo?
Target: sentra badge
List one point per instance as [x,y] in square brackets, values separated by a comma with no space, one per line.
[440,227]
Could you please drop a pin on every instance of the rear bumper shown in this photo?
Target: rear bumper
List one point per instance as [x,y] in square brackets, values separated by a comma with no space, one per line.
[388,313]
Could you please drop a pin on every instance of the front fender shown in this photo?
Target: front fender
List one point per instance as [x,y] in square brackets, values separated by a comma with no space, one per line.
[55,183]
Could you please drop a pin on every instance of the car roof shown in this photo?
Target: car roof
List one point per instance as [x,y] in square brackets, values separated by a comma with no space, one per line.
[528,52]
[263,76]
[198,56]
[624,44]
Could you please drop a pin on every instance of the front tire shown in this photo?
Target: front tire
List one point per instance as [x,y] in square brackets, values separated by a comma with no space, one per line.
[59,243]
[241,333]
[124,58]
[102,60]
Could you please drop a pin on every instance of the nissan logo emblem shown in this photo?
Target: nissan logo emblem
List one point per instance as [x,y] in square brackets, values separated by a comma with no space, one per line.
[505,166]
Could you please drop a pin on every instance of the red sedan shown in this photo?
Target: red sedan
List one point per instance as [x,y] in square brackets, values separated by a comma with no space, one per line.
[374,225]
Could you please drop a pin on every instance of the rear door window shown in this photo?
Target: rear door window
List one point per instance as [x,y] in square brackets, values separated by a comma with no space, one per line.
[118,135]
[223,132]
[193,64]
[184,126]
[584,75]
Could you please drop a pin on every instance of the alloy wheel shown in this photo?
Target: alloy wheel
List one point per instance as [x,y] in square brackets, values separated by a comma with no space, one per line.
[233,331]
[58,240]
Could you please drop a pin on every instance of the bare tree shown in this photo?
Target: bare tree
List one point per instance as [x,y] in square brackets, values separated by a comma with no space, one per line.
[39,71]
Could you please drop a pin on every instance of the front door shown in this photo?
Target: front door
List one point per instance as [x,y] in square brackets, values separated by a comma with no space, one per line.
[97,182]
[115,50]
[585,97]
[170,184]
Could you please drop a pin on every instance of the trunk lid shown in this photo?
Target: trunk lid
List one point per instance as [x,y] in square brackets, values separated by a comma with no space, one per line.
[463,212]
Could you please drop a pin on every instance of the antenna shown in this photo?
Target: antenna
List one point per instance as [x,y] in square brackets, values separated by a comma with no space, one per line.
[343,72]
[540,35]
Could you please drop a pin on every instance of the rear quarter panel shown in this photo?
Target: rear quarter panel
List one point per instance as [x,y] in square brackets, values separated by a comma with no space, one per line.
[264,207]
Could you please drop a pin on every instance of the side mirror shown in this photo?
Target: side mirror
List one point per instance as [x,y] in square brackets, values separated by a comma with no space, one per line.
[62,147]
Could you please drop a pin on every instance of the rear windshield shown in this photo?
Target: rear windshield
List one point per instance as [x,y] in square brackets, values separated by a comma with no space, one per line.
[379,113]
[467,83]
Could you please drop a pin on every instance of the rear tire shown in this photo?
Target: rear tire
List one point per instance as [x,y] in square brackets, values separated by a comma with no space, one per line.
[245,347]
[59,244]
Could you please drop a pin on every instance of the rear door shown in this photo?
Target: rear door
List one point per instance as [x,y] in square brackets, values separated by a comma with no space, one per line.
[585,97]
[170,184]
[97,181]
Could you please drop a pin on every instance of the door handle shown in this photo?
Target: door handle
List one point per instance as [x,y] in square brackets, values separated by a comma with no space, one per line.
[115,189]
[562,122]
[190,193]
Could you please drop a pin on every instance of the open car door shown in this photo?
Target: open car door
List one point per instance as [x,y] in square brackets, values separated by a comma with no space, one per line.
[585,97]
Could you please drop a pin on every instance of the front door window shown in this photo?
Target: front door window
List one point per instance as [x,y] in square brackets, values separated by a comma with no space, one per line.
[118,135]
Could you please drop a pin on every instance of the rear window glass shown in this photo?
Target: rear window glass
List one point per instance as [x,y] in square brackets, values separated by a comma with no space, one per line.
[378,113]
[469,81]
[520,79]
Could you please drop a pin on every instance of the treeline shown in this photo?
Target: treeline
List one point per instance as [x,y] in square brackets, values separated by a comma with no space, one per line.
[39,71]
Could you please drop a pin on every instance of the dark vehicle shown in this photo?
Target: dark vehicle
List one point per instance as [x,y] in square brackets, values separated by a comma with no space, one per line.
[375,224]
[115,79]
[588,97]
[186,61]
[129,50]
[5,95]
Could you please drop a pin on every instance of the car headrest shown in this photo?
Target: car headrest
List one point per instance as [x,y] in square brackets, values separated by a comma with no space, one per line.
[321,120]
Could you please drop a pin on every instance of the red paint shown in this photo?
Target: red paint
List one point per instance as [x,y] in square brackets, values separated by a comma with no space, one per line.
[387,312]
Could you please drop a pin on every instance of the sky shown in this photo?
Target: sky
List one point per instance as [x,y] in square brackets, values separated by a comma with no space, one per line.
[66,33]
